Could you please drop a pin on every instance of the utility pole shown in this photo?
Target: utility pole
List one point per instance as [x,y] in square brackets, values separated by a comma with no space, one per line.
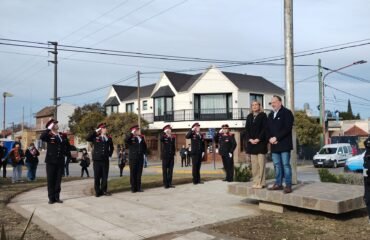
[55,62]
[22,119]
[138,100]
[322,121]
[289,76]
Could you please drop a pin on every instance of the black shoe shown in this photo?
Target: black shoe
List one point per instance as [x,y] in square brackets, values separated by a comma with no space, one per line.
[140,190]
[58,201]
[97,195]
[224,180]
[166,187]
[107,194]
[172,186]
[51,202]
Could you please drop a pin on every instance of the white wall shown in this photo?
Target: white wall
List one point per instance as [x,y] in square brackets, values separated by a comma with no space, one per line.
[65,110]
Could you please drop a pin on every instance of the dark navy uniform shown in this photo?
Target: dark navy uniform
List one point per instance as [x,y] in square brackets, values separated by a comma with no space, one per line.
[57,150]
[367,172]
[227,145]
[197,153]
[102,151]
[168,158]
[137,148]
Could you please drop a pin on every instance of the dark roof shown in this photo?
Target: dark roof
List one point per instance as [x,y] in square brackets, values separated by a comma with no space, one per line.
[181,81]
[45,112]
[253,83]
[164,91]
[126,93]
[112,101]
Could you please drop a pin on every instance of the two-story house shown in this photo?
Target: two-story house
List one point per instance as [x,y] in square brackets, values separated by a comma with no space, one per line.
[211,98]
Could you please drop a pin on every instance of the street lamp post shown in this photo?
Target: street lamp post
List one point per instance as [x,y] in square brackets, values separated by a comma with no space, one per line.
[5,95]
[322,112]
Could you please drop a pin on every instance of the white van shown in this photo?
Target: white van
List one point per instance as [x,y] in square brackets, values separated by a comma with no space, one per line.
[333,155]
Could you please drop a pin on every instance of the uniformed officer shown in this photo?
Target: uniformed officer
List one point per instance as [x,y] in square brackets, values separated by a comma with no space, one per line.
[197,151]
[168,141]
[226,144]
[102,151]
[367,175]
[136,145]
[57,150]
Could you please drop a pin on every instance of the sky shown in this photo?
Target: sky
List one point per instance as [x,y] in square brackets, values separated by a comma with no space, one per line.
[219,29]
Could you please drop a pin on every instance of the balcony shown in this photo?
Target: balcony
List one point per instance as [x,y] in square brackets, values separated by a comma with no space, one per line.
[199,115]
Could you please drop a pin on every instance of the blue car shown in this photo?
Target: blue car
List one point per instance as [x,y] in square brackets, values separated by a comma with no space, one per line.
[355,163]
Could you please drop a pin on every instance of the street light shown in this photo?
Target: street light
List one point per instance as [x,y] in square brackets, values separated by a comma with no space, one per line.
[323,94]
[5,95]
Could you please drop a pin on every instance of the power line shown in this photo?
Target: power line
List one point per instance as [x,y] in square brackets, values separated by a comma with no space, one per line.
[350,94]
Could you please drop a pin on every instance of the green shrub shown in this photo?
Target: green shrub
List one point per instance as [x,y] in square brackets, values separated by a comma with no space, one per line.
[327,176]
[242,173]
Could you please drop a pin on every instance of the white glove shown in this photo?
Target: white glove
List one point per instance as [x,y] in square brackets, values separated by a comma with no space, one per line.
[193,129]
[98,130]
[51,126]
[365,172]
[133,131]
[202,154]
[216,150]
[231,155]
[220,131]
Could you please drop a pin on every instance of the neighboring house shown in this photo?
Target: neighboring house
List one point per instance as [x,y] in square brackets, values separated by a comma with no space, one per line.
[211,98]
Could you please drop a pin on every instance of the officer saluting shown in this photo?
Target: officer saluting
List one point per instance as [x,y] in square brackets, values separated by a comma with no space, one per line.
[102,151]
[197,151]
[57,150]
[227,144]
[137,148]
[367,175]
[168,156]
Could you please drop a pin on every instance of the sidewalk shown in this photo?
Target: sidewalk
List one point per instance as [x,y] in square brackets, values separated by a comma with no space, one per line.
[133,216]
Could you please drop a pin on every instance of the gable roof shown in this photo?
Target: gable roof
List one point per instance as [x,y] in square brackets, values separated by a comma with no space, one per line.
[164,91]
[127,93]
[181,81]
[112,101]
[253,83]
[355,131]
[45,112]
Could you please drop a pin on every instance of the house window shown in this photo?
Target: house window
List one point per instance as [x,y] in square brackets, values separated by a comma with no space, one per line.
[129,107]
[256,97]
[163,109]
[111,109]
[145,105]
[212,106]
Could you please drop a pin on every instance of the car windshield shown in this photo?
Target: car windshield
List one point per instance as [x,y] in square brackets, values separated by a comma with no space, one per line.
[328,150]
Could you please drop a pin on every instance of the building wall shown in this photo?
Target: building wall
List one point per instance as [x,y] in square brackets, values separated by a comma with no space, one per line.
[65,110]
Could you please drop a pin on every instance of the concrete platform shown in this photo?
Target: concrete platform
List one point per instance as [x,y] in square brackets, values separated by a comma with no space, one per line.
[325,197]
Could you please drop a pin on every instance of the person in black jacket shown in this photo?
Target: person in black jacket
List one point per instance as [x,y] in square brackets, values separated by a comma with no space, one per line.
[366,174]
[102,150]
[279,134]
[227,145]
[57,150]
[256,143]
[197,151]
[3,160]
[32,160]
[137,148]
[85,163]
[168,141]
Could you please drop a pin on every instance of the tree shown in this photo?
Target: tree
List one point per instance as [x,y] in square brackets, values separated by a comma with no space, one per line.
[87,123]
[349,114]
[120,123]
[80,112]
[308,130]
[349,108]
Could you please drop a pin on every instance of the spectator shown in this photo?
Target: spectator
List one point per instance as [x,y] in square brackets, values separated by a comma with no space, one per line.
[145,160]
[188,155]
[67,158]
[16,156]
[183,154]
[85,163]
[3,160]
[32,160]
[255,136]
[122,160]
[279,134]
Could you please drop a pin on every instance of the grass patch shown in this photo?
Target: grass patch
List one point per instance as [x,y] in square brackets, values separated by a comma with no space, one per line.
[122,184]
[342,178]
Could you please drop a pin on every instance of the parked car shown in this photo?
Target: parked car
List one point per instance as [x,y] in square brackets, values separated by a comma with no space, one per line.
[333,155]
[355,163]
[74,153]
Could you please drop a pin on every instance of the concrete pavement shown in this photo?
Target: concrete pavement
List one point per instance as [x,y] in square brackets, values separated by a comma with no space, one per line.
[133,216]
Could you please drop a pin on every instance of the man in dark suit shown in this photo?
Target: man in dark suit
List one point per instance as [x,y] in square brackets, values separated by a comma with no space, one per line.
[279,133]
[227,145]
[168,141]
[136,145]
[197,151]
[57,150]
[102,150]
